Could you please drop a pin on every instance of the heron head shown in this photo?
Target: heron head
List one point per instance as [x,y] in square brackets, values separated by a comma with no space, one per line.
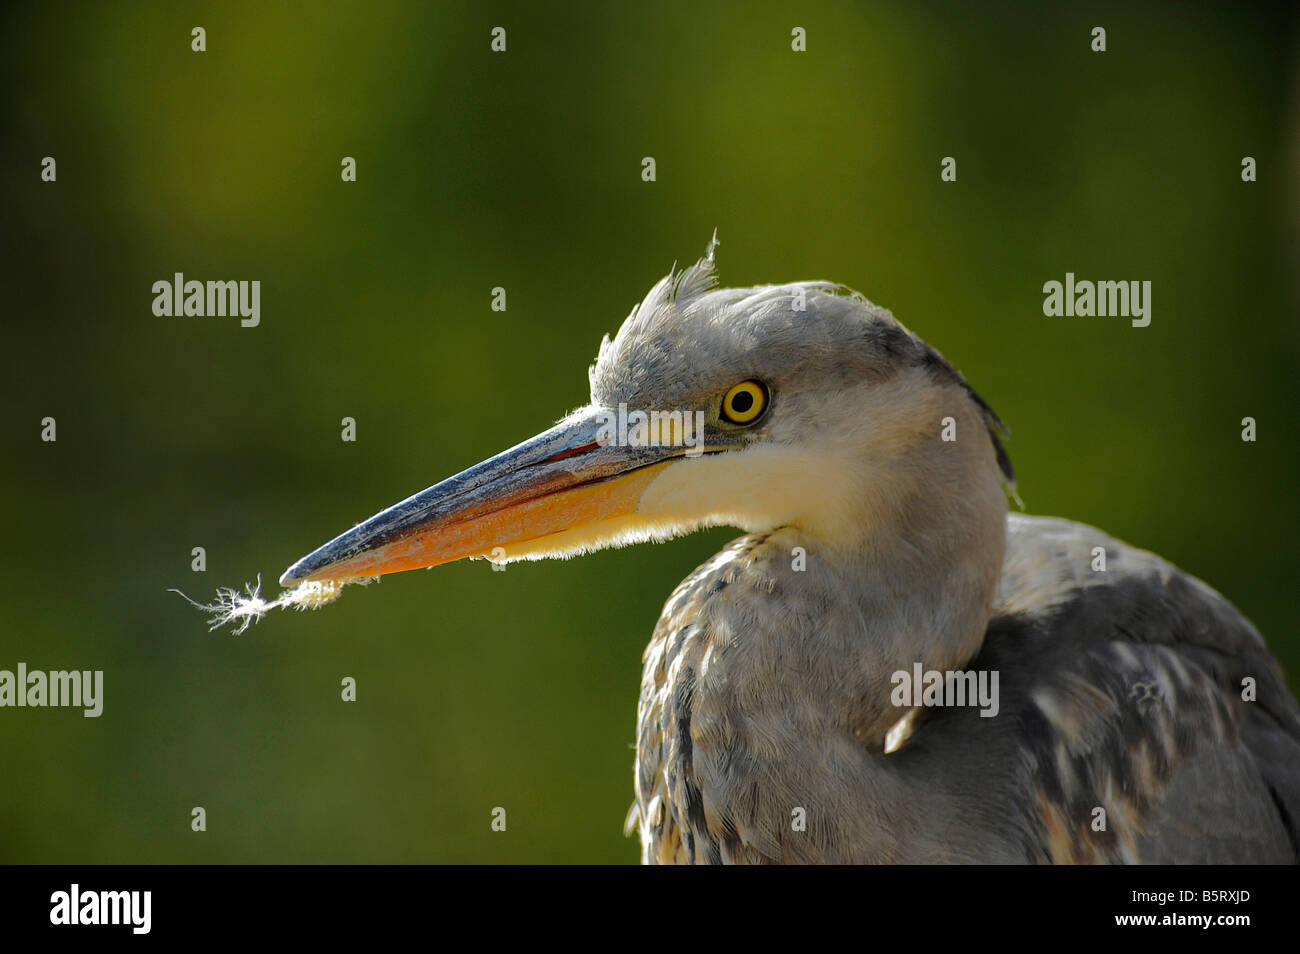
[798,405]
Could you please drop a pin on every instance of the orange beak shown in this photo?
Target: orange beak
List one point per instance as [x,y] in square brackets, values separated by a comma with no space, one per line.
[563,479]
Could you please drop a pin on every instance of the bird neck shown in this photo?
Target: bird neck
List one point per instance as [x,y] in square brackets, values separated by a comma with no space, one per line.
[918,582]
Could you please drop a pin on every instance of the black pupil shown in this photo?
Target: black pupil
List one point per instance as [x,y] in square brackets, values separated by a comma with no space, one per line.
[742,402]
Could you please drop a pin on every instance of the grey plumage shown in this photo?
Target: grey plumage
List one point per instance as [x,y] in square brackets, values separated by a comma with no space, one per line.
[763,691]
[869,479]
[1122,693]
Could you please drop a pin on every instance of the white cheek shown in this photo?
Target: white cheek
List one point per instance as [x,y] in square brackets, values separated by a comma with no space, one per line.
[765,486]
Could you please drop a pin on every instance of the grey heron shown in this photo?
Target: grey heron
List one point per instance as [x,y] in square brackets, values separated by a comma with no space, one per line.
[1140,717]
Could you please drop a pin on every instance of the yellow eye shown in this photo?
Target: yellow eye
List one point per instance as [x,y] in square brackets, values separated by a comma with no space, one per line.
[744,403]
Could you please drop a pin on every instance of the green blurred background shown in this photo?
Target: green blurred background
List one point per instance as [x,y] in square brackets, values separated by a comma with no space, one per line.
[518,689]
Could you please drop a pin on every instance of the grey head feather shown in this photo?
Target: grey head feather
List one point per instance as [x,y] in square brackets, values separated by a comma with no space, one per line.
[688,341]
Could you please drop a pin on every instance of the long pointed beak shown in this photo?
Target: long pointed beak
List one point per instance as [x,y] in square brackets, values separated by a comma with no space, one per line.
[562,479]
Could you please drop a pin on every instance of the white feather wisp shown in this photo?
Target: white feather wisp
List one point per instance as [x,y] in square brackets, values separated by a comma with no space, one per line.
[246,608]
